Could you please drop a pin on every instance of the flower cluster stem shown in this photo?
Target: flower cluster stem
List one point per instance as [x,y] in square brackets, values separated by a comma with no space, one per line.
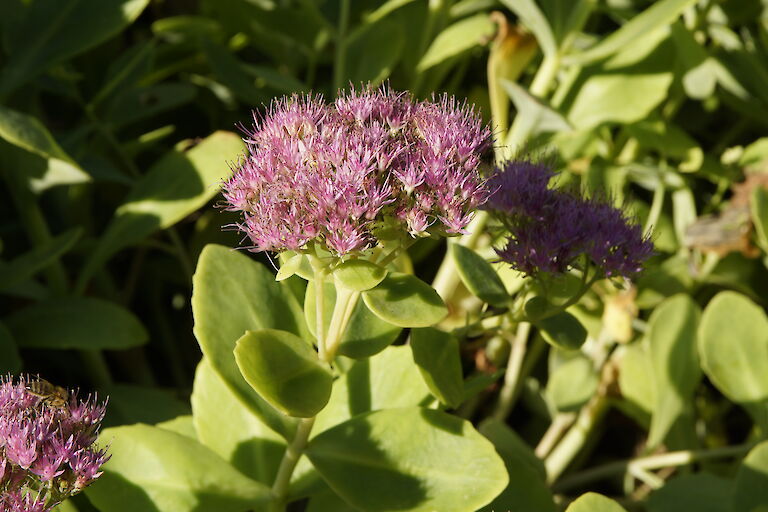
[509,390]
[341,45]
[669,459]
[291,457]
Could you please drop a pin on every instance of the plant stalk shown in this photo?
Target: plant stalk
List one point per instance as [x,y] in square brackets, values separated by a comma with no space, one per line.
[341,45]
[291,457]
[509,390]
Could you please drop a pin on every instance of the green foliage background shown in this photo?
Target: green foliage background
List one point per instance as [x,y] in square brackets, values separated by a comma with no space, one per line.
[118,119]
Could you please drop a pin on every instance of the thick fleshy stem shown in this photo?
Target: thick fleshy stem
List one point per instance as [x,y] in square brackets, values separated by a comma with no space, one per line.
[287,465]
[509,390]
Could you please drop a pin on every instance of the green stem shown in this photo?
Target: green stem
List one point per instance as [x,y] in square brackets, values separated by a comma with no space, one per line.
[509,390]
[181,252]
[291,457]
[670,459]
[346,300]
[341,47]
[565,451]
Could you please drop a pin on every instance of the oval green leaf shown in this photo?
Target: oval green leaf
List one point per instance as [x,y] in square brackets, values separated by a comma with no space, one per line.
[733,346]
[751,485]
[412,459]
[456,39]
[478,276]
[359,275]
[83,323]
[405,301]
[285,371]
[243,440]
[563,331]
[436,353]
[25,266]
[593,502]
[572,383]
[233,294]
[676,372]
[157,470]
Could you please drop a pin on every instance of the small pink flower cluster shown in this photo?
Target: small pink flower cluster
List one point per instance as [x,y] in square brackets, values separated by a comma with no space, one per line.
[46,450]
[348,174]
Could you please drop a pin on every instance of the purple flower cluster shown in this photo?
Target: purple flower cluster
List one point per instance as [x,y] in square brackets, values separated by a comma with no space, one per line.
[551,229]
[46,448]
[348,174]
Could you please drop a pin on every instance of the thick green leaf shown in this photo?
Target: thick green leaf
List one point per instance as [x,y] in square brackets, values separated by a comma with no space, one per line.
[733,346]
[702,492]
[637,389]
[232,73]
[618,97]
[527,487]
[676,373]
[456,39]
[532,17]
[406,301]
[593,502]
[366,334]
[478,276]
[436,353]
[328,502]
[10,362]
[359,275]
[183,425]
[233,294]
[243,439]
[139,103]
[49,32]
[156,470]
[750,491]
[375,52]
[84,323]
[385,381]
[136,404]
[285,371]
[562,330]
[572,383]
[409,459]
[658,15]
[177,185]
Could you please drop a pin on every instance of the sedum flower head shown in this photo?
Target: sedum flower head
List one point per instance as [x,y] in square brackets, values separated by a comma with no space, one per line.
[550,230]
[46,447]
[344,175]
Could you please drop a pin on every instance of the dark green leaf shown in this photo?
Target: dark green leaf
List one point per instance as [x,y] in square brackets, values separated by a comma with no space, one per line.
[436,353]
[134,404]
[49,32]
[676,373]
[10,362]
[375,52]
[572,383]
[750,490]
[478,276]
[527,487]
[702,492]
[28,264]
[562,330]
[84,323]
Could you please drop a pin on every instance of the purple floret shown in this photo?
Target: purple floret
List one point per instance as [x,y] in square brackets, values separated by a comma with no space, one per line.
[46,446]
[550,230]
[340,174]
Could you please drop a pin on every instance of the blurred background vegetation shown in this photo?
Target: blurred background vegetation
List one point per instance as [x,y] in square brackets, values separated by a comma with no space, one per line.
[118,119]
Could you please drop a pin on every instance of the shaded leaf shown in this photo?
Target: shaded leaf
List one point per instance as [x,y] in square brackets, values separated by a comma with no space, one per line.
[437,355]
[406,301]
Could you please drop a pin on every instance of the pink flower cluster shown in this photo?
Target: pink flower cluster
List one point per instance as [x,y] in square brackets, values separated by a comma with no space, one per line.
[46,450]
[345,175]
